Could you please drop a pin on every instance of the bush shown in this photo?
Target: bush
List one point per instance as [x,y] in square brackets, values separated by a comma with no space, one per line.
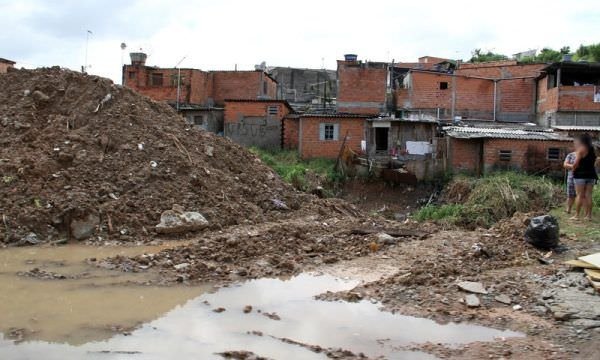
[304,175]
[484,201]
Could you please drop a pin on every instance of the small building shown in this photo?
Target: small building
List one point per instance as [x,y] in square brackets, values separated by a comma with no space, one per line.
[480,150]
[6,64]
[307,90]
[568,94]
[323,135]
[404,144]
[362,86]
[254,122]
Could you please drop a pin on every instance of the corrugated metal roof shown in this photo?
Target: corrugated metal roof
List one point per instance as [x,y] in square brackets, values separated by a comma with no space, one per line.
[503,133]
[576,128]
[354,116]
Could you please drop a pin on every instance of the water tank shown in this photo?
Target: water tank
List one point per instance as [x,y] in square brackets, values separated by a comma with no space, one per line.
[567,57]
[350,57]
[138,58]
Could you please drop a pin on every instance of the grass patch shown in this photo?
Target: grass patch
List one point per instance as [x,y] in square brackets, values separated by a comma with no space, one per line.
[304,175]
[581,230]
[481,202]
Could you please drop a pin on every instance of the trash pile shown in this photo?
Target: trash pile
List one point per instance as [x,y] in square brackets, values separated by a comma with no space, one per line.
[82,158]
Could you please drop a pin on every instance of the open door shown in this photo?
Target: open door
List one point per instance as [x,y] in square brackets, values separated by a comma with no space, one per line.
[381,138]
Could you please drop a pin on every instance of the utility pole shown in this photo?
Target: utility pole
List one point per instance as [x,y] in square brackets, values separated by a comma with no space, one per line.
[179,80]
[87,42]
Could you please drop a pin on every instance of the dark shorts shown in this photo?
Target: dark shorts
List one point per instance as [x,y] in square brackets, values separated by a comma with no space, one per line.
[571,188]
[585,181]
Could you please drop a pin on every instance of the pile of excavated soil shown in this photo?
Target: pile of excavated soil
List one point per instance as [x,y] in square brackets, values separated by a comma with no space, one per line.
[82,157]
[277,248]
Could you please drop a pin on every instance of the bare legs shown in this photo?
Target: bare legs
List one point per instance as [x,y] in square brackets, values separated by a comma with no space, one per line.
[583,201]
[570,203]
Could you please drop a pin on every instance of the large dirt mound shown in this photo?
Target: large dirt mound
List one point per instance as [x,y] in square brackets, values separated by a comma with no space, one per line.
[80,151]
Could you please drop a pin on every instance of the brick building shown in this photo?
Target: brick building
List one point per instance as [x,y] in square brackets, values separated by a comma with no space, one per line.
[202,94]
[5,64]
[362,86]
[568,94]
[496,91]
[481,150]
[322,135]
[254,122]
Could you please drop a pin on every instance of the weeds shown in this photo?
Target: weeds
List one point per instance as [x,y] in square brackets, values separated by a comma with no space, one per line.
[302,174]
[482,202]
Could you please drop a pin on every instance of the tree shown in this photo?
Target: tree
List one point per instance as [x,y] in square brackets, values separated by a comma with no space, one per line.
[479,56]
[588,53]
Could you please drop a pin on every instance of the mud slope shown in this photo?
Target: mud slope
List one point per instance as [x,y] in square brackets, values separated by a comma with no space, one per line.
[78,148]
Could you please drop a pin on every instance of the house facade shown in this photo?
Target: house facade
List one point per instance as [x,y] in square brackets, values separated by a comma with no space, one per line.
[6,64]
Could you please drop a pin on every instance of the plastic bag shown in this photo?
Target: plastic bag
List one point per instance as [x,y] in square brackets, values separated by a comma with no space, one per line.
[543,232]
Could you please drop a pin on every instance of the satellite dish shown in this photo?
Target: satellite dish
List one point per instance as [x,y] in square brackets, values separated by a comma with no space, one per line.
[123,46]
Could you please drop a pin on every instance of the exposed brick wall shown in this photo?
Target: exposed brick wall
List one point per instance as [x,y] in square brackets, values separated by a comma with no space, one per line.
[580,98]
[527,155]
[312,147]
[234,110]
[290,133]
[4,67]
[547,98]
[500,69]
[200,87]
[362,87]
[242,85]
[464,154]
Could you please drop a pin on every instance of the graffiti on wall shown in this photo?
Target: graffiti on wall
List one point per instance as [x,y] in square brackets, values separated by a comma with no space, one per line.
[255,131]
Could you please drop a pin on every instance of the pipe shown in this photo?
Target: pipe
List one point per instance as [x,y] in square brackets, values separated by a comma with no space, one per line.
[495,94]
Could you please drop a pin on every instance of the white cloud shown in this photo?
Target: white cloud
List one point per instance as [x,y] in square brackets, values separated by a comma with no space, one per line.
[221,34]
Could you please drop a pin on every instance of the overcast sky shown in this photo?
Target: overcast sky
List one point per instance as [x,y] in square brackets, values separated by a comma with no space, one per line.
[218,34]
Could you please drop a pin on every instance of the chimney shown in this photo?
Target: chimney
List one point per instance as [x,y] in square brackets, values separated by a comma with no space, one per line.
[350,57]
[138,58]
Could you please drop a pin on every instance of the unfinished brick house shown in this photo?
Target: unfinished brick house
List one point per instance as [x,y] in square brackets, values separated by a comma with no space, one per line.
[255,122]
[568,98]
[496,91]
[5,64]
[202,94]
[482,150]
[362,86]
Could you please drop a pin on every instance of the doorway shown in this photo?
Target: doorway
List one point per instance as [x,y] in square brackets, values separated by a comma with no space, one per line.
[381,139]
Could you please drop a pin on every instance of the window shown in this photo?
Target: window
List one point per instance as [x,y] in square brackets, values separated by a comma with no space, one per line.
[156,79]
[132,74]
[264,88]
[553,154]
[443,85]
[198,120]
[505,155]
[175,78]
[329,131]
[272,110]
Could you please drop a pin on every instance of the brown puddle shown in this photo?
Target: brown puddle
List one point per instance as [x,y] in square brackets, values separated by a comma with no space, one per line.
[77,318]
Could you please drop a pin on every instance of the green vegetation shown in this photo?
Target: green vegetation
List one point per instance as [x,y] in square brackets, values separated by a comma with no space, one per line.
[590,53]
[304,175]
[474,202]
[478,55]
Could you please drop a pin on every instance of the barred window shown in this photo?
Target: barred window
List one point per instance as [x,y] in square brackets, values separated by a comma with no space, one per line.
[553,154]
[505,155]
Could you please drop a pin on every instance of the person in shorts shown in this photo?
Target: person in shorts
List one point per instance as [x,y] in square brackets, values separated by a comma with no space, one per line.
[584,175]
[571,195]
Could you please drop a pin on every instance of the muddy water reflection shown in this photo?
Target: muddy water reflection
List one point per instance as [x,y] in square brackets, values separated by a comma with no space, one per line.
[195,331]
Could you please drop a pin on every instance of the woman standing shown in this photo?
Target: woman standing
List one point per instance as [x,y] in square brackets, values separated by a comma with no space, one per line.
[571,194]
[584,175]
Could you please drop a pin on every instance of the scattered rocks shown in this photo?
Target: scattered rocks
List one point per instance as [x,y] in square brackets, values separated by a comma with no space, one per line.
[272,316]
[219,309]
[178,221]
[84,227]
[386,239]
[40,96]
[472,300]
[504,299]
[473,287]
[247,309]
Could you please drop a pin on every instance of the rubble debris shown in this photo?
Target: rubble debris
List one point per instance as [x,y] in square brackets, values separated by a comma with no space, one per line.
[241,355]
[84,227]
[219,310]
[472,300]
[177,220]
[504,299]
[471,286]
[272,316]
[247,309]
[543,232]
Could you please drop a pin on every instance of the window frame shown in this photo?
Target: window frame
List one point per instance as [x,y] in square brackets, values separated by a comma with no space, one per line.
[155,76]
[272,107]
[553,149]
[505,155]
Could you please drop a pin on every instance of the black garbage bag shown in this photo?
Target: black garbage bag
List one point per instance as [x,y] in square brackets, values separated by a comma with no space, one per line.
[543,232]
